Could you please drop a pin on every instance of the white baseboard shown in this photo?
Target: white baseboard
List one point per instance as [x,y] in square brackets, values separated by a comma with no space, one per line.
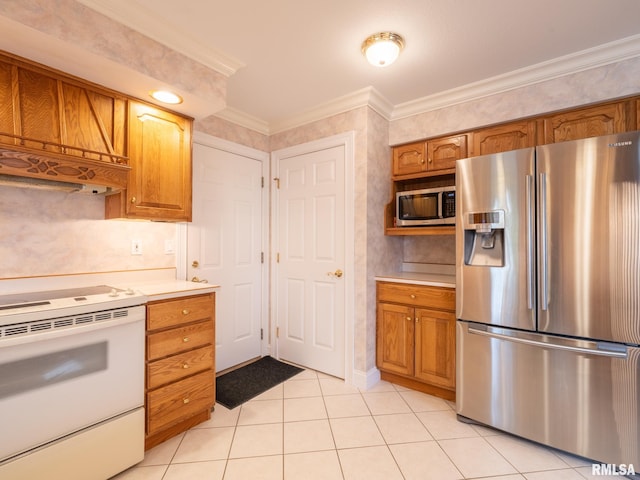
[366,380]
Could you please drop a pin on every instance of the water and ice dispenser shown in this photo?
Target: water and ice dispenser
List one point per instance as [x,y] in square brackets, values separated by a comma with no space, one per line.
[484,238]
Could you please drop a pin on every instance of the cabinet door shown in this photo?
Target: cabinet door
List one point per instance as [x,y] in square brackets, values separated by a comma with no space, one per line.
[395,334]
[436,347]
[503,138]
[587,122]
[160,154]
[442,153]
[409,159]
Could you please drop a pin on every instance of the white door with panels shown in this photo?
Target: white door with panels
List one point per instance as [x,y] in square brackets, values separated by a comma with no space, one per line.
[225,244]
[311,268]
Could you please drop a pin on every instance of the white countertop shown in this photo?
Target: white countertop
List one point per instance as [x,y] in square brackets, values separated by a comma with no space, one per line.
[422,274]
[156,284]
[431,279]
[172,289]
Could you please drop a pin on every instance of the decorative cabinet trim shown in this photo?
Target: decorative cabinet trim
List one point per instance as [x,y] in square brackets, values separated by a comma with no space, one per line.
[56,127]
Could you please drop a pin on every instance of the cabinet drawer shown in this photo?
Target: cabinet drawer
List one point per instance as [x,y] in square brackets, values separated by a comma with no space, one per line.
[417,295]
[174,368]
[178,401]
[178,312]
[177,340]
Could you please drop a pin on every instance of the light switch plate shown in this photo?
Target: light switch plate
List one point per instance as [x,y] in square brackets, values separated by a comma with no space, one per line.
[136,247]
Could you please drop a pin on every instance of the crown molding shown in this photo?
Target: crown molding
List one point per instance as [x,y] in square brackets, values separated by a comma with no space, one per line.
[243,119]
[152,26]
[601,55]
[367,96]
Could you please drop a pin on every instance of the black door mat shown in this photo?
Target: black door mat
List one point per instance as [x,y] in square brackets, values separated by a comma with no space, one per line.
[245,383]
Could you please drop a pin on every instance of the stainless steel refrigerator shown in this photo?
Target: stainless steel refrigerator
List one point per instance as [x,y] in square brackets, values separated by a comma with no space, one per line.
[548,295]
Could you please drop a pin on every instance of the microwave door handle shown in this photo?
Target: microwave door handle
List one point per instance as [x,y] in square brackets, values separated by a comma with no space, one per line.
[440,198]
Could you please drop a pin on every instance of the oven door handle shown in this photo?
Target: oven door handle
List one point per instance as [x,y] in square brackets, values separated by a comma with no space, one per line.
[61,332]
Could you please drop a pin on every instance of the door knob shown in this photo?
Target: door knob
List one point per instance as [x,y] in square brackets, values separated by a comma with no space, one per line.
[338,273]
[195,264]
[197,280]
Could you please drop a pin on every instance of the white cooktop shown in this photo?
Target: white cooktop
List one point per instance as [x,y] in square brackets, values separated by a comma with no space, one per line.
[29,306]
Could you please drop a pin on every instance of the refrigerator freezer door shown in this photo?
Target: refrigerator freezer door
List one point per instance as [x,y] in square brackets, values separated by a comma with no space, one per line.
[589,238]
[582,396]
[495,239]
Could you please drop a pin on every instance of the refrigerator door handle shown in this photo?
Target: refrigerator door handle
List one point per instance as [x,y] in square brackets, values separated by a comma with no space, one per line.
[530,238]
[542,199]
[620,353]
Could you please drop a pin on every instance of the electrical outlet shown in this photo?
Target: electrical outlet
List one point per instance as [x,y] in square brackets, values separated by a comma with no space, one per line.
[136,247]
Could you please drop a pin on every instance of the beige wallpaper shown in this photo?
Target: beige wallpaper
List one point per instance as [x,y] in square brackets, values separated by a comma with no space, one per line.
[46,232]
[589,86]
[231,132]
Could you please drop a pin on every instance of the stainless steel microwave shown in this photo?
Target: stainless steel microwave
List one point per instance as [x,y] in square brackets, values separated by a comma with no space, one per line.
[428,206]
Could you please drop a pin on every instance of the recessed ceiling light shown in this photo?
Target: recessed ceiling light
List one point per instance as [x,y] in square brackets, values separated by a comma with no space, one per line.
[382,49]
[165,96]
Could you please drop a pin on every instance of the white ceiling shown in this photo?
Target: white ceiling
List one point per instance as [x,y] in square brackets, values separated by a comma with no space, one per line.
[287,57]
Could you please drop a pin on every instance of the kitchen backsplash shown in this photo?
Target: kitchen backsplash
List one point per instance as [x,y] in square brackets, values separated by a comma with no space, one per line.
[45,232]
[438,249]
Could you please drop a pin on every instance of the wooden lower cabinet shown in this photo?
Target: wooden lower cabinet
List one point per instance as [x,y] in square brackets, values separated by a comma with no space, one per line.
[416,337]
[180,365]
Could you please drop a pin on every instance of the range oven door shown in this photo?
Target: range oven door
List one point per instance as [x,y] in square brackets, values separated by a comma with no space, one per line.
[58,382]
[582,396]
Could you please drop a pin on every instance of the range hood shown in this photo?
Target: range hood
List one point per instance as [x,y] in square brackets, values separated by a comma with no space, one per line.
[45,184]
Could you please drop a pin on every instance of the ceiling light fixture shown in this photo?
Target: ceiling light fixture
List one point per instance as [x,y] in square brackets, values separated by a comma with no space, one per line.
[382,49]
[165,96]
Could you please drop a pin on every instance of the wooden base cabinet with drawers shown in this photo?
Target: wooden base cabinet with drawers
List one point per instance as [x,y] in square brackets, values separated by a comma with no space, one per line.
[415,337]
[180,366]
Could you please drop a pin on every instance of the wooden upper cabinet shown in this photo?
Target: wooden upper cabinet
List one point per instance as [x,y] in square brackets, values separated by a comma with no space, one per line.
[442,153]
[588,122]
[59,128]
[409,159]
[159,185]
[428,158]
[502,138]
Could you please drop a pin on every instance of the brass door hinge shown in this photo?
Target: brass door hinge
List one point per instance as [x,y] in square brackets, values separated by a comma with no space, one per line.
[277,332]
[277,180]
[261,334]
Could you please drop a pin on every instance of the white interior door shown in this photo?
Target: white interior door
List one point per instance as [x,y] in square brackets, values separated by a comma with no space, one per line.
[225,247]
[310,268]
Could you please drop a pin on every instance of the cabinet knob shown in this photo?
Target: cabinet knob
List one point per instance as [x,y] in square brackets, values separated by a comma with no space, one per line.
[185,400]
[430,160]
[185,339]
[413,295]
[185,312]
[185,365]
[133,199]
[417,319]
[409,319]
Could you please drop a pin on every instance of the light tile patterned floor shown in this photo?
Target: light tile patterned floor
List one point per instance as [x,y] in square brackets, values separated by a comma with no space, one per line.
[315,427]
